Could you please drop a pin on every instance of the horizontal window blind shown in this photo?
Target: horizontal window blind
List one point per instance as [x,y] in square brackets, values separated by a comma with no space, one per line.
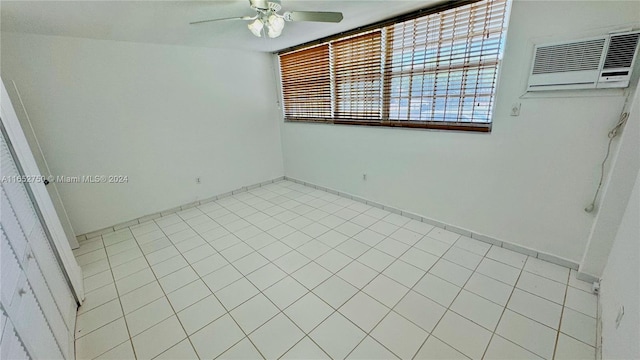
[358,74]
[435,71]
[306,83]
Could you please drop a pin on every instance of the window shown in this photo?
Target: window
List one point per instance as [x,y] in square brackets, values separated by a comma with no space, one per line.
[436,68]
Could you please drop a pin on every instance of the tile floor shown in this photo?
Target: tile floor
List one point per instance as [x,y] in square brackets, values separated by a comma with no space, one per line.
[288,271]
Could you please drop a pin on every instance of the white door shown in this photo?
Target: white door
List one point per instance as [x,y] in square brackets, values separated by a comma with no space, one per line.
[41,282]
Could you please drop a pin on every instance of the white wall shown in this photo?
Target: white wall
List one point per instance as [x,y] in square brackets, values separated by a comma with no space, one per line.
[162,115]
[625,163]
[621,287]
[526,183]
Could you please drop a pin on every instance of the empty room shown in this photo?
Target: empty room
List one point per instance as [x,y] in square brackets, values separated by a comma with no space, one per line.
[299,179]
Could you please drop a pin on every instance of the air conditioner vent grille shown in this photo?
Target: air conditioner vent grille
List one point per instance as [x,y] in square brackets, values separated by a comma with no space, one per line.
[576,56]
[621,50]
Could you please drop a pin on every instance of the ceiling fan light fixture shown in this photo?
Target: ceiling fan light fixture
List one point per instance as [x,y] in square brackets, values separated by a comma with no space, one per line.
[256,27]
[275,24]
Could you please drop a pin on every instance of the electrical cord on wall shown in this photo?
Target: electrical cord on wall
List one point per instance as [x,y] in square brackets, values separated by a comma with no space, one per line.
[612,134]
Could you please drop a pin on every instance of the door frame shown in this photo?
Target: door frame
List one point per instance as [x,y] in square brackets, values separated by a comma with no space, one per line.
[39,195]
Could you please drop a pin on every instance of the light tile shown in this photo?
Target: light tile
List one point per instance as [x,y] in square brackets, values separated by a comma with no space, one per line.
[348,228]
[536,308]
[579,326]
[396,219]
[499,271]
[97,281]
[141,296]
[364,311]
[98,297]
[506,256]
[315,229]
[266,276]
[432,246]
[579,284]
[477,309]
[376,259]
[357,274]
[155,245]
[159,338]
[392,247]
[198,315]
[313,249]
[437,289]
[276,337]
[420,310]
[463,257]
[241,351]
[435,349]
[569,348]
[400,336]
[548,289]
[406,274]
[386,290]
[406,236]
[305,349]
[224,330]
[160,255]
[236,293]
[291,261]
[443,235]
[296,239]
[489,288]
[236,252]
[370,349]
[168,266]
[249,263]
[188,295]
[253,313]
[221,277]
[451,272]
[208,265]
[584,302]
[369,237]
[352,248]
[311,275]
[122,351]
[520,330]
[462,334]
[337,336]
[420,259]
[550,271]
[98,317]
[181,351]
[285,292]
[274,250]
[148,316]
[472,245]
[333,260]
[384,228]
[308,312]
[102,340]
[502,349]
[178,279]
[332,238]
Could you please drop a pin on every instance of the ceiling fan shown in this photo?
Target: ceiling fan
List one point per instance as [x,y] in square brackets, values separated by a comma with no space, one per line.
[268,20]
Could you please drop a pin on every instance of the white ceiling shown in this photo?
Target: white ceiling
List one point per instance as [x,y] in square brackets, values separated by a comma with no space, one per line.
[167,22]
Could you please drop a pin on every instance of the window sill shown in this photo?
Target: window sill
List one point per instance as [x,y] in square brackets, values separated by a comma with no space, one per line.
[430,125]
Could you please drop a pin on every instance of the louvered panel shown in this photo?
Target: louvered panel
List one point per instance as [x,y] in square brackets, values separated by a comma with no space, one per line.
[358,77]
[306,83]
[48,304]
[34,329]
[46,261]
[577,56]
[621,51]
[11,271]
[10,344]
[11,226]
[17,193]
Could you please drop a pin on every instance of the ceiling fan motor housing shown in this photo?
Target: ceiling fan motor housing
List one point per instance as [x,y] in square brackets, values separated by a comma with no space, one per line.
[266,5]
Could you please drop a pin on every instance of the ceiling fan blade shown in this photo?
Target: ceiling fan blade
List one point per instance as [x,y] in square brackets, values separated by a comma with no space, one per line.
[320,16]
[223,19]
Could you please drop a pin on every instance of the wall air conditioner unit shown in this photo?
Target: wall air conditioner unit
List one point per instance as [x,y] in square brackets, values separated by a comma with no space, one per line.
[594,63]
